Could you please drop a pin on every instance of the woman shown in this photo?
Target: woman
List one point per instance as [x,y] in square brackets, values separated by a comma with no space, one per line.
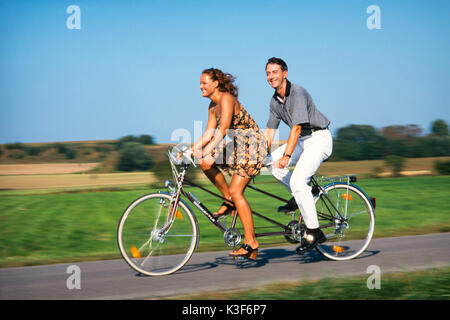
[241,158]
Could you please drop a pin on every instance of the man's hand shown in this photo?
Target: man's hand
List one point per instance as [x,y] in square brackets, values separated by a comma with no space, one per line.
[282,162]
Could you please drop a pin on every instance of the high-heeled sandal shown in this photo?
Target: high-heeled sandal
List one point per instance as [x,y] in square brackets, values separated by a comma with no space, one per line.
[251,253]
[229,209]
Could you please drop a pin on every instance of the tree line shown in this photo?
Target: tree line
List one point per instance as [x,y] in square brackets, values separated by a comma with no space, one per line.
[354,142]
[364,142]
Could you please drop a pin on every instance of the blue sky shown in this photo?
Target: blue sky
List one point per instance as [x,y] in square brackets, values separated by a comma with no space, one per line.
[134,66]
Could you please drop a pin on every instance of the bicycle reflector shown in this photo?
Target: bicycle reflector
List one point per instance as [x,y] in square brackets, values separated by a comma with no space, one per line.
[347,196]
[374,202]
[135,252]
[338,249]
[178,215]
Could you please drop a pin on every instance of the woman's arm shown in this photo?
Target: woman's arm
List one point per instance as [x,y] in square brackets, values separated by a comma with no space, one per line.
[226,115]
[209,132]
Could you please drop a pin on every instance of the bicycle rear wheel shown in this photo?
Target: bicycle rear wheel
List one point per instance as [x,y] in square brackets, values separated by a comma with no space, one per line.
[349,233]
[153,241]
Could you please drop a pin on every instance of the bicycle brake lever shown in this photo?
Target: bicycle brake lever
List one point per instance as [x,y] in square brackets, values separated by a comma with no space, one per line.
[187,154]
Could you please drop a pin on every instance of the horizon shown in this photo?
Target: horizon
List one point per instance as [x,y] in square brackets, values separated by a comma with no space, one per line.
[424,133]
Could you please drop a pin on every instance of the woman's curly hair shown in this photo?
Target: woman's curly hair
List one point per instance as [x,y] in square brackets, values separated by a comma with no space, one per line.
[226,80]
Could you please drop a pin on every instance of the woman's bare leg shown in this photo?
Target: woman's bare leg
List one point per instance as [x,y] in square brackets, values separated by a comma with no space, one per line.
[237,187]
[217,178]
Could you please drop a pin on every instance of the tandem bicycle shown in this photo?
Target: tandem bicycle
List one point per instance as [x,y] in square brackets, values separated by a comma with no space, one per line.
[159,232]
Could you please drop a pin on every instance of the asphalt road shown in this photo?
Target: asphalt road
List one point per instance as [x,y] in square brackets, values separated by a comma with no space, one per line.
[114,279]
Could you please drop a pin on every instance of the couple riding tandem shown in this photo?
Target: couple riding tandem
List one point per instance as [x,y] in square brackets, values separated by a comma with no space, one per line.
[309,144]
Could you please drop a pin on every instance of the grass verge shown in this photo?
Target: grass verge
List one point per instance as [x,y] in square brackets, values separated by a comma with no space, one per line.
[433,284]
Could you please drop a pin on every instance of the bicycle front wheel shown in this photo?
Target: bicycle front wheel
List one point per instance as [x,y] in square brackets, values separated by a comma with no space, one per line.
[347,219]
[154,239]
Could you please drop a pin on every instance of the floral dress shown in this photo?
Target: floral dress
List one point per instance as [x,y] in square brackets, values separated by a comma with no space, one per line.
[245,153]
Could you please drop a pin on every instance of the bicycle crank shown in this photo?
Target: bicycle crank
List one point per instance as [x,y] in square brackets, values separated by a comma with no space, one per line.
[232,237]
[297,230]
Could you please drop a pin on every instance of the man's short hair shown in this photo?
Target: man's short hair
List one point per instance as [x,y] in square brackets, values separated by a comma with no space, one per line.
[279,62]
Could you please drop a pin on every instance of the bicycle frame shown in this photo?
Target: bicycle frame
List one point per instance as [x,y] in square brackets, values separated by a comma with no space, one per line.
[317,190]
[217,223]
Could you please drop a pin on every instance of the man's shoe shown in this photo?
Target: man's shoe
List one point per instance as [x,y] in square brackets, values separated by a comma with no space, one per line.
[312,239]
[289,207]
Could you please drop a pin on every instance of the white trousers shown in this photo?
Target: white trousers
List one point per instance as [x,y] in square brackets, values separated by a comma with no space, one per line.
[307,157]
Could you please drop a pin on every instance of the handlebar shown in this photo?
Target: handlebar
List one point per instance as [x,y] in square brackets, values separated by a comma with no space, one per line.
[181,154]
[187,154]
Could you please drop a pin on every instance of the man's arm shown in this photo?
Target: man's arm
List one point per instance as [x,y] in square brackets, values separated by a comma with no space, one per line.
[272,125]
[269,133]
[291,144]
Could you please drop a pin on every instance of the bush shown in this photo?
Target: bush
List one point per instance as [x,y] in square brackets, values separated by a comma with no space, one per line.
[439,128]
[34,151]
[142,139]
[145,139]
[396,163]
[162,171]
[17,155]
[376,172]
[358,142]
[15,146]
[133,157]
[68,152]
[103,148]
[442,167]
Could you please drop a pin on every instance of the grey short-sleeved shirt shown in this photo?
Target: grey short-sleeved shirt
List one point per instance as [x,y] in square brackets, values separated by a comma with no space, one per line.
[298,108]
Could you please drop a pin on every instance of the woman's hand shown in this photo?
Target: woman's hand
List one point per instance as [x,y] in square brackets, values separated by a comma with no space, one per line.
[208,160]
[197,153]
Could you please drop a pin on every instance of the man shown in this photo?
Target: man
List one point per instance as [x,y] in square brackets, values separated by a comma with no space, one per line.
[309,144]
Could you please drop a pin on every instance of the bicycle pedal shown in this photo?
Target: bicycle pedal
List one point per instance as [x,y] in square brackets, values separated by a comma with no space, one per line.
[302,249]
[286,211]
[244,258]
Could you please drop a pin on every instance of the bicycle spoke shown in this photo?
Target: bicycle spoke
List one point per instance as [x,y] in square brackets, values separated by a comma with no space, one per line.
[150,240]
[356,214]
[145,244]
[146,258]
[330,235]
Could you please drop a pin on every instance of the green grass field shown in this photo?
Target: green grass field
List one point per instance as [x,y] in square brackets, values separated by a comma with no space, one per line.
[72,226]
[431,284]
